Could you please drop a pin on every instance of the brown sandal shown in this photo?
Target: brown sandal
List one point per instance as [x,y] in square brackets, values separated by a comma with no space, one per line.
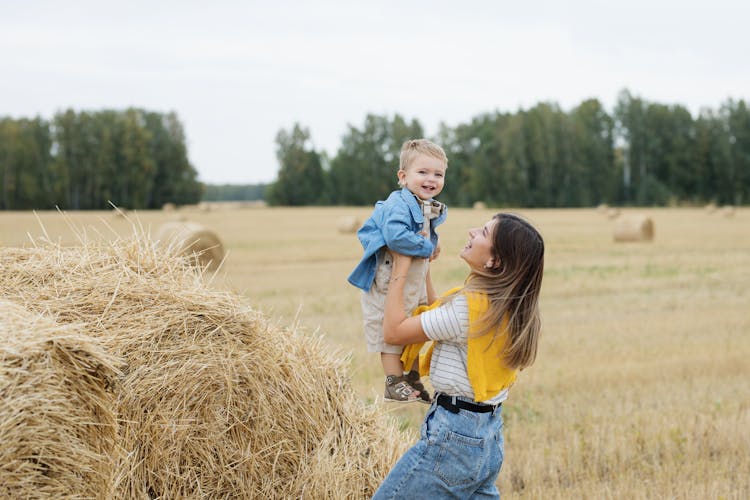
[413,379]
[399,390]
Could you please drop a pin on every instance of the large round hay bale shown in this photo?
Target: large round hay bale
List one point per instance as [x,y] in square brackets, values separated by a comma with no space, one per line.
[613,213]
[710,208]
[602,208]
[480,205]
[57,422]
[169,207]
[215,400]
[348,224]
[634,228]
[188,238]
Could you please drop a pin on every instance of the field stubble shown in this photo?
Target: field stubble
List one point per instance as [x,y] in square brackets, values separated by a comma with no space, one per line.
[640,389]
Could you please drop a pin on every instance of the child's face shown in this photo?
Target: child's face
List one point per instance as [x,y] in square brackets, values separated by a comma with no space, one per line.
[424,177]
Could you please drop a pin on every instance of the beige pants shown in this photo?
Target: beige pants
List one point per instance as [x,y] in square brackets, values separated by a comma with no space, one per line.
[373,302]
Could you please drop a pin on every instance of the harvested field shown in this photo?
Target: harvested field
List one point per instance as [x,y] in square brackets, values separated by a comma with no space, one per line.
[640,388]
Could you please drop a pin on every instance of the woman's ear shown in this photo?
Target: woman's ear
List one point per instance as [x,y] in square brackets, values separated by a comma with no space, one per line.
[491,264]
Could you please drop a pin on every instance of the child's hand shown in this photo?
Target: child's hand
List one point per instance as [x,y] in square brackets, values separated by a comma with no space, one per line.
[435,253]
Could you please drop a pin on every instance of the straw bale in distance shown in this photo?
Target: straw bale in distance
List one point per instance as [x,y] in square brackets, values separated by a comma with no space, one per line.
[613,213]
[634,228]
[191,239]
[169,207]
[710,208]
[215,401]
[480,205]
[602,208]
[727,211]
[348,224]
[57,425]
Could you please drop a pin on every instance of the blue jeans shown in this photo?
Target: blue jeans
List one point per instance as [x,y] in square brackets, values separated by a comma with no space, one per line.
[458,455]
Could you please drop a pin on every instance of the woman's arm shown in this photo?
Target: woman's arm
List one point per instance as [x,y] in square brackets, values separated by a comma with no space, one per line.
[398,329]
[431,295]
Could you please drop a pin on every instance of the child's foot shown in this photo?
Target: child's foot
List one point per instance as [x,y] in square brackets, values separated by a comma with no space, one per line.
[413,379]
[399,390]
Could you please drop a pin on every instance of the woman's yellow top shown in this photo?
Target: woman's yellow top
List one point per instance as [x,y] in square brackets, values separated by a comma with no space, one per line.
[486,369]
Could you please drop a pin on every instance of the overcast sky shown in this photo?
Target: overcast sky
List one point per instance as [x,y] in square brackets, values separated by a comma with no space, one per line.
[236,72]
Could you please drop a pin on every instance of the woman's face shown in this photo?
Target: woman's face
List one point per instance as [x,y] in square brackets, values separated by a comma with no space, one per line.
[478,250]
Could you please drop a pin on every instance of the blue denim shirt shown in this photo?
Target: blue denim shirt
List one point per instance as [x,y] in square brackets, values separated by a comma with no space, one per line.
[395,223]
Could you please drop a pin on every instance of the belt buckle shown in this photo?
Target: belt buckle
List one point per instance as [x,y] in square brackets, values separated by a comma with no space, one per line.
[454,408]
[448,402]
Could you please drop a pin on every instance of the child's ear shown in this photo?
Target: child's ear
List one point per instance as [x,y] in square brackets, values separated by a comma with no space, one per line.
[400,176]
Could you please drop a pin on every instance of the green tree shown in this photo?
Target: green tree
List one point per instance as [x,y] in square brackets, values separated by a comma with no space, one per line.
[738,127]
[364,169]
[548,174]
[234,192]
[25,159]
[630,119]
[175,179]
[300,180]
[593,154]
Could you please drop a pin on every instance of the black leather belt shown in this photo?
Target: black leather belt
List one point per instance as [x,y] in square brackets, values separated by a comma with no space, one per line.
[453,405]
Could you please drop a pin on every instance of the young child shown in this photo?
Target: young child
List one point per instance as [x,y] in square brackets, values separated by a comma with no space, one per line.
[405,222]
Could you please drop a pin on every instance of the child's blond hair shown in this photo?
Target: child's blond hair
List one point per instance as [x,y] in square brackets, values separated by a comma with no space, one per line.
[411,149]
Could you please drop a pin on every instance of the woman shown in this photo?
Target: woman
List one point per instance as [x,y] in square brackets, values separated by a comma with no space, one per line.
[482,334]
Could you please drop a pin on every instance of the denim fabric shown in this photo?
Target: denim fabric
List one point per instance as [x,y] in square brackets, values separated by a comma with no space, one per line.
[395,223]
[458,455]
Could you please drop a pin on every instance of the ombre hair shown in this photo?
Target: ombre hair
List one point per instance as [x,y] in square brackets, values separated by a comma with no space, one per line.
[512,286]
[415,147]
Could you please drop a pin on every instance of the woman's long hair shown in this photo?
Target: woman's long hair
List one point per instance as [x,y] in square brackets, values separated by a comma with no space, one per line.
[512,286]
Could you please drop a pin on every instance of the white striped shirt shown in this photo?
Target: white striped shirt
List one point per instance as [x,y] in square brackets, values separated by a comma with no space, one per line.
[448,326]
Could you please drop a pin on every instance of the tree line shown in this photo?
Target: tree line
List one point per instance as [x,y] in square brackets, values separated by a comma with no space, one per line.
[642,153]
[83,160]
[234,192]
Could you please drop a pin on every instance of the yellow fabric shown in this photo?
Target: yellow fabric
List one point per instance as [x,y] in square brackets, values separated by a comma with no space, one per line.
[411,351]
[487,373]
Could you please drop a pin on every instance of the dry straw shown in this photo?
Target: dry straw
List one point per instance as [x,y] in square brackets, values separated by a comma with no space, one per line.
[634,228]
[200,244]
[214,400]
[120,212]
[57,421]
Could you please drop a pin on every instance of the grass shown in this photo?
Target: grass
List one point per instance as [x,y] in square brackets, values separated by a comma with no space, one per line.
[640,389]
